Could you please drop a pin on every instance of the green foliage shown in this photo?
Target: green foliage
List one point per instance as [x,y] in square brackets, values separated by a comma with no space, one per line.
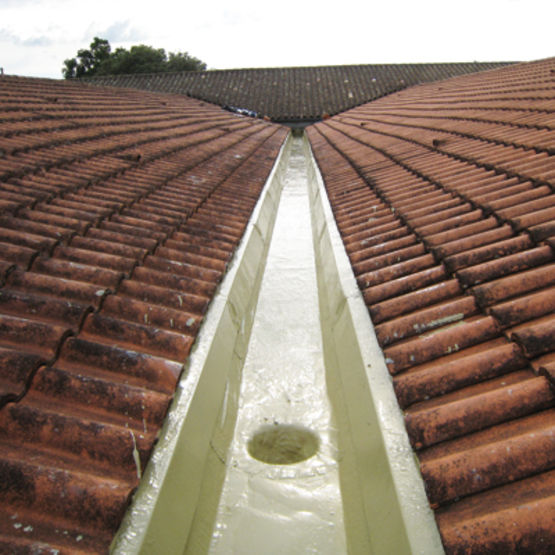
[181,61]
[100,60]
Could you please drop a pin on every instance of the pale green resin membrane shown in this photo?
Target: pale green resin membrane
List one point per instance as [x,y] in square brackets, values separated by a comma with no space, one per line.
[359,490]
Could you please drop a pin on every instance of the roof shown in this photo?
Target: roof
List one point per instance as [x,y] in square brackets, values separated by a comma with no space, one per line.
[295,93]
[120,210]
[444,197]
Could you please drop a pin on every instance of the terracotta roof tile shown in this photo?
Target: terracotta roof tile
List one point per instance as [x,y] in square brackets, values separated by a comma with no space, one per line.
[113,245]
[465,166]
[430,423]
[511,286]
[505,265]
[120,211]
[490,458]
[515,514]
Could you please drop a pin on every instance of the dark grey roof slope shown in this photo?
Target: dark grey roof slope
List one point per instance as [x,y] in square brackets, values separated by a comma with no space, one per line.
[295,93]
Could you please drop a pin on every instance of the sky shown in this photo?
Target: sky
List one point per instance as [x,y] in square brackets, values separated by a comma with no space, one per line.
[36,36]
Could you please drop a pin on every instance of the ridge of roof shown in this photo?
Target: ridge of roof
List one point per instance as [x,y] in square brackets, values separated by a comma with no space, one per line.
[315,67]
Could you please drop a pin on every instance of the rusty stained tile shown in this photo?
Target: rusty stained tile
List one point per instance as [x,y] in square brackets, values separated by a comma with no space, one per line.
[100,392]
[31,335]
[543,232]
[379,249]
[517,284]
[81,205]
[369,238]
[191,258]
[365,210]
[406,283]
[515,518]
[532,199]
[425,319]
[31,241]
[433,215]
[458,370]
[492,457]
[117,363]
[488,252]
[446,225]
[53,220]
[395,270]
[43,308]
[68,213]
[13,255]
[387,260]
[536,337]
[205,250]
[377,224]
[16,369]
[420,206]
[177,268]
[183,283]
[138,337]
[132,233]
[193,236]
[91,436]
[152,229]
[448,417]
[95,258]
[526,307]
[178,300]
[57,287]
[135,311]
[535,219]
[479,239]
[54,267]
[34,483]
[506,265]
[443,341]
[110,242]
[414,300]
[21,533]
[513,191]
[462,232]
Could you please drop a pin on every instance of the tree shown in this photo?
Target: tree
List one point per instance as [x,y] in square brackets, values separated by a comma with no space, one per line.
[100,60]
[181,61]
[87,62]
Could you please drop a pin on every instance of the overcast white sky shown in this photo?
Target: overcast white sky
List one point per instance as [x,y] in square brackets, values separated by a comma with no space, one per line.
[36,36]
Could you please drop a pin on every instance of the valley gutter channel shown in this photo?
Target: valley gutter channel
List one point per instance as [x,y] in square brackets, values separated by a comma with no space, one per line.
[285,435]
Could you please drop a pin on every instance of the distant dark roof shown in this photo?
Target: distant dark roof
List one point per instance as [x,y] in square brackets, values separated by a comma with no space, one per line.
[296,93]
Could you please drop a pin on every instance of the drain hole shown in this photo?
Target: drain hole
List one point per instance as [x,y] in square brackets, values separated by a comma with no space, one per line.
[283,444]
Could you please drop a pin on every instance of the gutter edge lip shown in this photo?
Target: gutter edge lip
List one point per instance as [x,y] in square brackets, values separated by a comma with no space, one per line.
[418,517]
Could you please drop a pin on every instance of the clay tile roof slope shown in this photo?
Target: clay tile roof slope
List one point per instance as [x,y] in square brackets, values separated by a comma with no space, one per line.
[444,195]
[119,211]
[295,93]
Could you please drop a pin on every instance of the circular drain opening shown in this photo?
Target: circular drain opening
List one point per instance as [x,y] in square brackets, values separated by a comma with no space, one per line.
[283,444]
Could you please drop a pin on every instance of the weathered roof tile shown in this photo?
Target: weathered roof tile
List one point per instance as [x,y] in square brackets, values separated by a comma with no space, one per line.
[113,224]
[466,167]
